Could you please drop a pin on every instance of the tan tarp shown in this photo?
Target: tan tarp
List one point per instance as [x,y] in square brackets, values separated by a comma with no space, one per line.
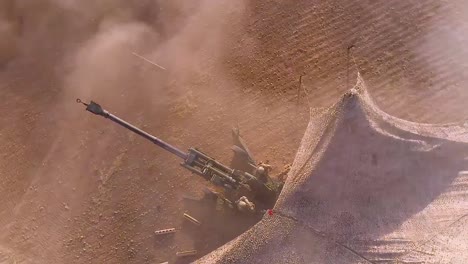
[366,187]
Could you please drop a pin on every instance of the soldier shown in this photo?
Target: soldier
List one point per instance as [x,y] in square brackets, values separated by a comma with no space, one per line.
[262,172]
[244,205]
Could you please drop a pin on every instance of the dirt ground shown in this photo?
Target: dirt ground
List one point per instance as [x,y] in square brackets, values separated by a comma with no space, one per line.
[76,188]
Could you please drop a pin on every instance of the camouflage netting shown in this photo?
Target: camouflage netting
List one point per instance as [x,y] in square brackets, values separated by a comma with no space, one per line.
[366,187]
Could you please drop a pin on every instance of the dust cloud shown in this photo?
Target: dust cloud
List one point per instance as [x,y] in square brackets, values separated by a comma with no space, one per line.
[189,45]
[99,37]
[85,49]
[89,48]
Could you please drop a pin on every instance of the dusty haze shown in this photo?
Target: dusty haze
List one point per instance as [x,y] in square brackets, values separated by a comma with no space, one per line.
[85,49]
[78,189]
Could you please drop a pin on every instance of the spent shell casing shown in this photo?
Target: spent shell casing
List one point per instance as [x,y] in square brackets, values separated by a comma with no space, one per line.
[191,219]
[186,253]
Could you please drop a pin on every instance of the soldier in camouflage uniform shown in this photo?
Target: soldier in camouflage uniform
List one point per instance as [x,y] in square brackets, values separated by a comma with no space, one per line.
[245,206]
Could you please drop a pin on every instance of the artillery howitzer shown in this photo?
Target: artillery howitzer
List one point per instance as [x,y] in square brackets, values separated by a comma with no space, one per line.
[236,183]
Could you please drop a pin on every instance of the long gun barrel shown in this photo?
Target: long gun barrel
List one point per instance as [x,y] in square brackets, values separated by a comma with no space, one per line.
[198,162]
[98,110]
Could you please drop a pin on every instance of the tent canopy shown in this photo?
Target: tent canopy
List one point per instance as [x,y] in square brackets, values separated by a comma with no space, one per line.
[366,187]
